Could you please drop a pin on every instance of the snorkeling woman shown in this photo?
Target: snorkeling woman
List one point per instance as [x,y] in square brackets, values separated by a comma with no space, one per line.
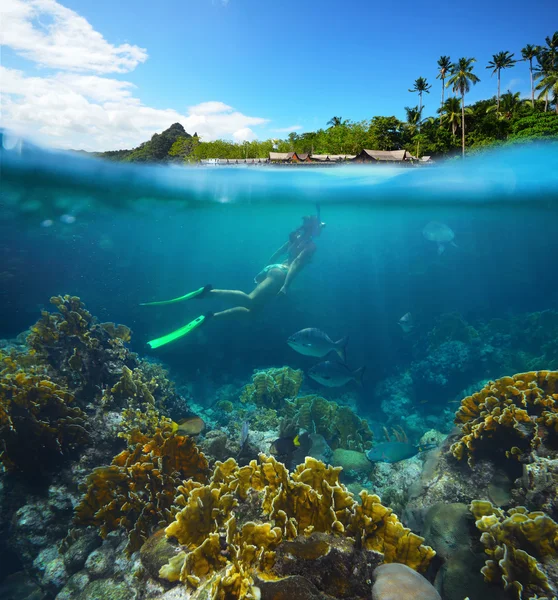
[275,279]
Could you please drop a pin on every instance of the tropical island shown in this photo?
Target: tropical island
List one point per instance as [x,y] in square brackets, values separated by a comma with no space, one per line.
[456,128]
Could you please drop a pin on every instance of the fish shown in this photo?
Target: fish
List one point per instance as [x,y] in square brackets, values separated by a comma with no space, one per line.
[68,219]
[406,322]
[188,426]
[314,342]
[47,223]
[285,447]
[439,233]
[335,374]
[392,452]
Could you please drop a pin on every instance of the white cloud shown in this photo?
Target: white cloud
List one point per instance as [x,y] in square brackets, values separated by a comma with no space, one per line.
[288,129]
[52,35]
[244,135]
[71,109]
[209,108]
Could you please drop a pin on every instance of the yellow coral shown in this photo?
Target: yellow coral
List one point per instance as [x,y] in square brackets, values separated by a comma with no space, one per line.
[39,424]
[513,543]
[512,408]
[247,512]
[138,490]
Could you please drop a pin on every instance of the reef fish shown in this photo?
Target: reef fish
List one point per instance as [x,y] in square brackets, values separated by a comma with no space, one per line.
[188,426]
[335,374]
[406,322]
[286,446]
[439,233]
[314,342]
[392,452]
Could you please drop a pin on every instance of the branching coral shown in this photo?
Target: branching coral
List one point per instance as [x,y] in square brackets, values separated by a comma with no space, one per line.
[137,491]
[39,426]
[339,425]
[515,543]
[86,354]
[511,415]
[271,387]
[230,529]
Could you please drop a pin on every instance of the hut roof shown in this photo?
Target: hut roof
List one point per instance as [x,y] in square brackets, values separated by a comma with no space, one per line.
[387,155]
[280,155]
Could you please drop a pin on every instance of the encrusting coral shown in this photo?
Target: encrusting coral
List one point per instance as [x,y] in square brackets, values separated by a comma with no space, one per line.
[511,415]
[39,424]
[137,492]
[339,425]
[271,387]
[231,529]
[520,546]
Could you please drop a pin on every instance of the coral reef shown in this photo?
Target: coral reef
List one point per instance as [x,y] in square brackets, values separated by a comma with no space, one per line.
[231,529]
[88,355]
[270,388]
[521,546]
[511,416]
[39,424]
[399,582]
[339,425]
[137,491]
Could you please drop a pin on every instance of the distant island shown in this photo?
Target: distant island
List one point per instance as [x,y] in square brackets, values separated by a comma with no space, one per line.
[501,120]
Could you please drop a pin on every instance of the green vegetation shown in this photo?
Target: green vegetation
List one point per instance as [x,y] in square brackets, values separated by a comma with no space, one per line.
[503,119]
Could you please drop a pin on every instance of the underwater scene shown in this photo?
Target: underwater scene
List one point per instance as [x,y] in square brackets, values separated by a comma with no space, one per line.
[278,383]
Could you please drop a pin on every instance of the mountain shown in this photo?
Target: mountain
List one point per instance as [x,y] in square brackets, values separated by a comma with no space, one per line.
[155,150]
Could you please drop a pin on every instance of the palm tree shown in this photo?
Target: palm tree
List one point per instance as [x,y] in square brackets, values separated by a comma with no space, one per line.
[547,70]
[462,77]
[335,121]
[421,86]
[502,60]
[450,113]
[444,62]
[529,53]
[509,105]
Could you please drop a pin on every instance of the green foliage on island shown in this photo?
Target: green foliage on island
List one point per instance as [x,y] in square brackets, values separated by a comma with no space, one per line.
[504,119]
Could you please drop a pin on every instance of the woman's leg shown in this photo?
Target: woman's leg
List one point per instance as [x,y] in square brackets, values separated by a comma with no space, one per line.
[235,296]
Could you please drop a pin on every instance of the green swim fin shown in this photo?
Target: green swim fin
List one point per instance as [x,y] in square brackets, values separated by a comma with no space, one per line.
[199,293]
[174,335]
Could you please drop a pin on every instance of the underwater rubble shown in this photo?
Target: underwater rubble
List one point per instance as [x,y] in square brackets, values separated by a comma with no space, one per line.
[115,485]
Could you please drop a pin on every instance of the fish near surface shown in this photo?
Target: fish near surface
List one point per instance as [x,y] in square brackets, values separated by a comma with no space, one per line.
[335,374]
[314,342]
[406,322]
[439,233]
[392,452]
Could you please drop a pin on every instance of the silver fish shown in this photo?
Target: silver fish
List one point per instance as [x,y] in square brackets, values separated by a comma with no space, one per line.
[314,342]
[335,374]
[406,322]
[439,233]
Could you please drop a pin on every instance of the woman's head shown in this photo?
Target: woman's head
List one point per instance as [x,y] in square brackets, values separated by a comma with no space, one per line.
[312,225]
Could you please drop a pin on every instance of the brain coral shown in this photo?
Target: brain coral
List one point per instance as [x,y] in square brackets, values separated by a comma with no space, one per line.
[509,416]
[230,529]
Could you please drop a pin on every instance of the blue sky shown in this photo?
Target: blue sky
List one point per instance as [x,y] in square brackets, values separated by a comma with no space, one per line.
[243,68]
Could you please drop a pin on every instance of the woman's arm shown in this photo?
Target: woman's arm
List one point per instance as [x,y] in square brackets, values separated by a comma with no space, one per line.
[280,252]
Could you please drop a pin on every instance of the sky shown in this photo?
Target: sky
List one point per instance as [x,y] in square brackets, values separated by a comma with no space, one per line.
[106,75]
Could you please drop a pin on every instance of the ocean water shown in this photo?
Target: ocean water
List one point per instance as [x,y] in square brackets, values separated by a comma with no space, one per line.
[145,233]
[120,235]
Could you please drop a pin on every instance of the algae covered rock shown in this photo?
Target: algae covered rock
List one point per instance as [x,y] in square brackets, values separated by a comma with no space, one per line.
[106,589]
[398,582]
[289,588]
[156,552]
